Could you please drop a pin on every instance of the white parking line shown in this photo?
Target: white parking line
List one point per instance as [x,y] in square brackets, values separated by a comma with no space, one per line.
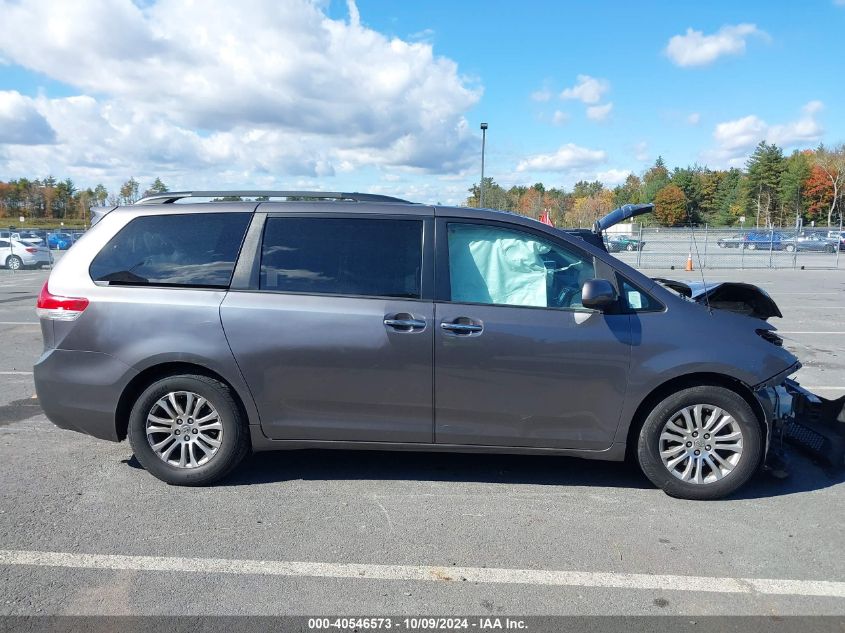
[662,582]
[15,373]
[19,323]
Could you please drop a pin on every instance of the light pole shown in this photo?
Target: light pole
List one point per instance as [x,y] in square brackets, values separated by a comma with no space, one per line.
[483,143]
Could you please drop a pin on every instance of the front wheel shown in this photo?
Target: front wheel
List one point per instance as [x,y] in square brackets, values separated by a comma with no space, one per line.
[790,248]
[629,247]
[700,443]
[187,430]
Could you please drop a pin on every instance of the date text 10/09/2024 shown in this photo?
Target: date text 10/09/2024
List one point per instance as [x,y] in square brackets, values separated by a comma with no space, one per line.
[483,623]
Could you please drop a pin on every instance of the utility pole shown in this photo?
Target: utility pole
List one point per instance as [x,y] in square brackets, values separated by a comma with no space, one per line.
[483,143]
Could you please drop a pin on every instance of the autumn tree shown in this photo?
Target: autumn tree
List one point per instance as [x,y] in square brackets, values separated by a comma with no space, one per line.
[587,209]
[832,163]
[101,194]
[670,206]
[129,192]
[158,187]
[818,194]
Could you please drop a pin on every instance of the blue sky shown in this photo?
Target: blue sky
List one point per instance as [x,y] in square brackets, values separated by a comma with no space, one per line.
[387,95]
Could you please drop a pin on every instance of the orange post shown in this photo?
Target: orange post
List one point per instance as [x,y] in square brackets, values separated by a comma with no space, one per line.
[688,267]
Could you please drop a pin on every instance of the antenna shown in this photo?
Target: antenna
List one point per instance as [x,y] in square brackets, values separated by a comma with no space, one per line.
[698,259]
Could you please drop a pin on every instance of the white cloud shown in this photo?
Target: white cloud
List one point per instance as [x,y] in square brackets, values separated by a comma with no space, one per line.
[599,112]
[812,107]
[740,133]
[250,90]
[559,117]
[20,121]
[694,118]
[542,95]
[697,49]
[587,89]
[568,157]
[735,139]
[613,177]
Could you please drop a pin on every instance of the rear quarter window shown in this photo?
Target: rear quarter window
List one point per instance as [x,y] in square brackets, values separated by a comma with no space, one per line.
[187,250]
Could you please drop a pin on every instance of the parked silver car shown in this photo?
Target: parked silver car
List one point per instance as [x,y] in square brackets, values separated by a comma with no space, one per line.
[15,254]
[205,330]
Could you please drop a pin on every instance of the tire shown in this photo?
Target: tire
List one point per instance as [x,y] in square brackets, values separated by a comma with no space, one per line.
[743,463]
[629,247]
[752,247]
[829,249]
[212,463]
[790,248]
[13,262]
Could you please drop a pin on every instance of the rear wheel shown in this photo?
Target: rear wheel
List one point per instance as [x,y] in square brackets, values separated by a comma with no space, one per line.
[790,248]
[700,443]
[830,248]
[630,247]
[13,262]
[187,430]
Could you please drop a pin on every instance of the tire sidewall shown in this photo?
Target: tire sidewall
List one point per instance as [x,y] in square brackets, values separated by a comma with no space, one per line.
[223,460]
[14,258]
[648,446]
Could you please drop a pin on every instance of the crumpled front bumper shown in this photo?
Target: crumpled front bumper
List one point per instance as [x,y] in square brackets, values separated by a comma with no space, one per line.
[812,424]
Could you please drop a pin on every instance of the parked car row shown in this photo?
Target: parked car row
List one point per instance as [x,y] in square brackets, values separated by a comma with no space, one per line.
[56,240]
[815,241]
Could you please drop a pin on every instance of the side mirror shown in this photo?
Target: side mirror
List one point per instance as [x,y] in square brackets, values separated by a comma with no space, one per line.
[598,294]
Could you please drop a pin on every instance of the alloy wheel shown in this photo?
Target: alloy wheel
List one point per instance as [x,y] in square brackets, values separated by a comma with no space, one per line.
[184,429]
[701,444]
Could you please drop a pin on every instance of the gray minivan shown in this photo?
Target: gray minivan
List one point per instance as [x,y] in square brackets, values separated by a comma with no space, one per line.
[204,330]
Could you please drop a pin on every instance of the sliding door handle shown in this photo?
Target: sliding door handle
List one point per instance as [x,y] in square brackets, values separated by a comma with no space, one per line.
[462,328]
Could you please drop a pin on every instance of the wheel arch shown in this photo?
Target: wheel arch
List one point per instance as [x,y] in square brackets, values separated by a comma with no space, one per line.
[685,381]
[156,372]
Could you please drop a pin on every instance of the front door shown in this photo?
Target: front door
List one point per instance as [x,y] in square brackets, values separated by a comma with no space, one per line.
[518,360]
[336,342]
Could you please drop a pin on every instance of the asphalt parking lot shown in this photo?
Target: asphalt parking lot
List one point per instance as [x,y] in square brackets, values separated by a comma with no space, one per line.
[83,530]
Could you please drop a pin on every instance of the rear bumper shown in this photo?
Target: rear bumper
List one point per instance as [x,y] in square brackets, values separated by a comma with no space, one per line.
[35,259]
[80,390]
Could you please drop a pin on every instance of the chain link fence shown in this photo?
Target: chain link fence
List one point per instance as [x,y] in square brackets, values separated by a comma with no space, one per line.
[648,247]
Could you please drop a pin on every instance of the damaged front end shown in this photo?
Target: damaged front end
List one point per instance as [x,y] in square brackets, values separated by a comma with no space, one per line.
[814,425]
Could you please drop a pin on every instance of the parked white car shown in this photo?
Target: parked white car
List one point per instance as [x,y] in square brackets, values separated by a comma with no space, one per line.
[15,254]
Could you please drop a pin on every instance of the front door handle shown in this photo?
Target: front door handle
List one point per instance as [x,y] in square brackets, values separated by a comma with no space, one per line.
[404,322]
[462,328]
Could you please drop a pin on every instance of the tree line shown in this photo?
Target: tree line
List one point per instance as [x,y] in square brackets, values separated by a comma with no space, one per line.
[62,199]
[773,190]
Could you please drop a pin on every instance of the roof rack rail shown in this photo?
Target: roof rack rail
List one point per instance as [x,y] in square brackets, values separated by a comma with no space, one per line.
[170,197]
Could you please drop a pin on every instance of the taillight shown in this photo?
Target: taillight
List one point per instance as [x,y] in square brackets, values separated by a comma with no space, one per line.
[31,250]
[51,306]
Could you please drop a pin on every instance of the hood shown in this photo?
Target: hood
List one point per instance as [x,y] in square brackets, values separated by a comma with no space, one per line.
[732,296]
